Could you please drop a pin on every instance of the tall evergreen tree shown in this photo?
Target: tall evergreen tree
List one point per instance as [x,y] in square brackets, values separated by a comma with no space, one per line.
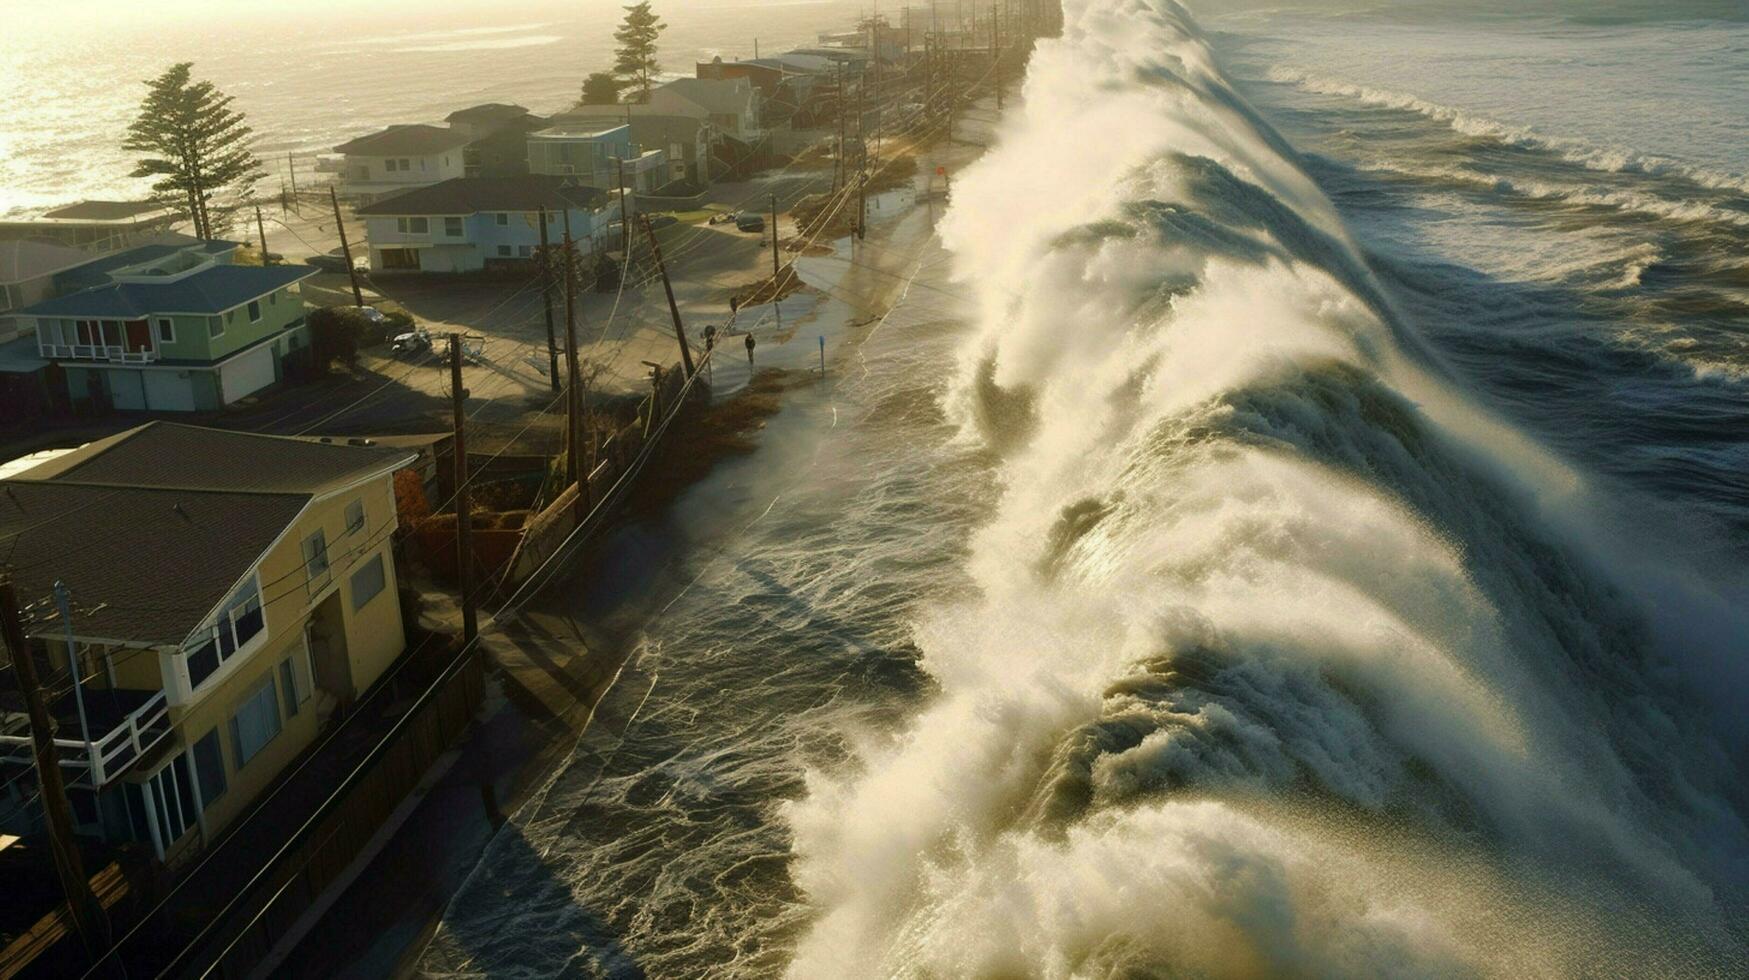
[635,58]
[197,145]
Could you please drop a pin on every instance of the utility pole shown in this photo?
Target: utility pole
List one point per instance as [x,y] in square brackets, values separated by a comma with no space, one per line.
[291,167]
[87,914]
[673,308]
[261,229]
[775,267]
[862,206]
[546,295]
[464,517]
[838,174]
[625,226]
[996,54]
[573,411]
[874,49]
[345,249]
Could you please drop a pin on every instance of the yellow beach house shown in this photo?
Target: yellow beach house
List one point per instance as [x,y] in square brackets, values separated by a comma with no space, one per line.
[225,595]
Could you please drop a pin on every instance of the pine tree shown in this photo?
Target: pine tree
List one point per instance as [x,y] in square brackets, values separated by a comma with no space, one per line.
[197,145]
[601,88]
[635,59]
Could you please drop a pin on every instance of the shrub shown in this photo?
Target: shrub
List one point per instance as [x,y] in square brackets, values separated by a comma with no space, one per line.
[336,334]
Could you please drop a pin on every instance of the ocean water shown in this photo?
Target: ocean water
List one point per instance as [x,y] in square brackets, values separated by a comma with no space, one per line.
[1307,539]
[312,74]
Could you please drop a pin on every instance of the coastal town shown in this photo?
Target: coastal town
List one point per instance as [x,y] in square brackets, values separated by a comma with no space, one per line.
[294,452]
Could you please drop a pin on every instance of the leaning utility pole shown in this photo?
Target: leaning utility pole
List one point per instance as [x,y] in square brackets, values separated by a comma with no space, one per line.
[261,229]
[87,914]
[573,411]
[291,168]
[996,54]
[345,249]
[464,518]
[839,176]
[625,227]
[775,267]
[673,308]
[546,295]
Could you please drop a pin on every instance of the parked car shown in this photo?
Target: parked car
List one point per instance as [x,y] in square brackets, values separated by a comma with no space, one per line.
[333,263]
[750,221]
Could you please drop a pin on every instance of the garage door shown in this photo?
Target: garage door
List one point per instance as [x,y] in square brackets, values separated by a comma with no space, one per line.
[125,391]
[246,373]
[168,391]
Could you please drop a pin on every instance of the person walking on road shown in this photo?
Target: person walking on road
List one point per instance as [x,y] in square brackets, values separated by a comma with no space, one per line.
[750,345]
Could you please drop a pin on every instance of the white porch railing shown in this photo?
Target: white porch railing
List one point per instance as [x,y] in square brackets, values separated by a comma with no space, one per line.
[98,352]
[108,756]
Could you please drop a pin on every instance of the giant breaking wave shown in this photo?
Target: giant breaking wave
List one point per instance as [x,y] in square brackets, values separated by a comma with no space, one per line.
[1288,659]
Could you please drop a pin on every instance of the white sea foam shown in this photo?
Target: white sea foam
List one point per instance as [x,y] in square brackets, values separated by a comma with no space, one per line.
[1587,196]
[1599,158]
[1250,551]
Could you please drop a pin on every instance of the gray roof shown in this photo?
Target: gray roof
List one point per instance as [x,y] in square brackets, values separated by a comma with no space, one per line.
[144,565]
[104,210]
[22,261]
[209,291]
[726,96]
[153,527]
[168,454]
[488,110]
[416,139]
[96,271]
[471,195]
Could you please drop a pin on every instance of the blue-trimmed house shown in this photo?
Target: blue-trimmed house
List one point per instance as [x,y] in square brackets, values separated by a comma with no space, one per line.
[170,328]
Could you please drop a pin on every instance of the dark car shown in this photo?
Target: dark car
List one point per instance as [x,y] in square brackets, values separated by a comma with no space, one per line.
[329,263]
[750,222]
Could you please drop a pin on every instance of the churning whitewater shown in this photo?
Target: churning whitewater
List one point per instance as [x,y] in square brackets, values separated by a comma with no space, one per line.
[1286,657]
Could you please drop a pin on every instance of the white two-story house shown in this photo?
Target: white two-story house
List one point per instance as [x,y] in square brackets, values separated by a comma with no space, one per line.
[470,224]
[400,158]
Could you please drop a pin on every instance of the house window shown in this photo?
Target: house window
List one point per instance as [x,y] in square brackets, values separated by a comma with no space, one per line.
[273,299]
[452,227]
[413,226]
[209,767]
[290,687]
[173,799]
[503,219]
[525,251]
[255,312]
[166,331]
[355,516]
[256,722]
[316,558]
[367,582]
[504,251]
[215,327]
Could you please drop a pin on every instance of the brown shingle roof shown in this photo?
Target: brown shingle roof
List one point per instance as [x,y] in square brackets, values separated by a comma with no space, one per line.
[168,455]
[143,565]
[153,527]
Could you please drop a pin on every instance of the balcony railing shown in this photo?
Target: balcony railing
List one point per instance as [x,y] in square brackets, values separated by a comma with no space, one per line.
[125,726]
[98,352]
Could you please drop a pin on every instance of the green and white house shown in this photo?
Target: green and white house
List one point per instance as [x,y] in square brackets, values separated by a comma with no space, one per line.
[172,328]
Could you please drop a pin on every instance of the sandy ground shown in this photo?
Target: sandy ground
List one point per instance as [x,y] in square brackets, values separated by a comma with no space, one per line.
[558,663]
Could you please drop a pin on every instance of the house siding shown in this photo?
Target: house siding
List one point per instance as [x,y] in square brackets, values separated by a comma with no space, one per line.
[374,638]
[482,235]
